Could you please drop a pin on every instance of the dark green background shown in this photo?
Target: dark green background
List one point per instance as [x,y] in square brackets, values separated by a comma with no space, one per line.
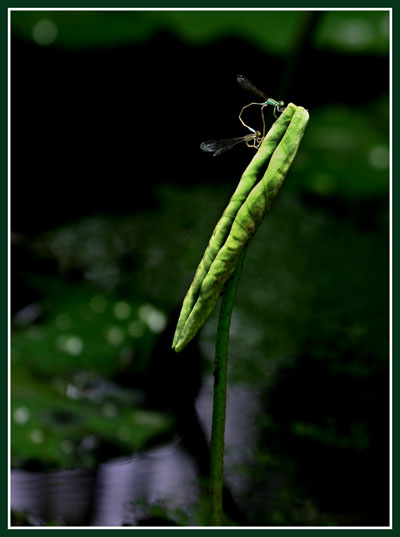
[111,196]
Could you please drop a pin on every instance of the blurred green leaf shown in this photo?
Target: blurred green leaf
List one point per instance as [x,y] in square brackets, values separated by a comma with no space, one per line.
[87,331]
[56,424]
[345,153]
[355,32]
[114,28]
[269,30]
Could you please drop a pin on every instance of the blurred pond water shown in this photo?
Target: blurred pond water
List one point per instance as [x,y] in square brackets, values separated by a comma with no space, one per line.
[122,491]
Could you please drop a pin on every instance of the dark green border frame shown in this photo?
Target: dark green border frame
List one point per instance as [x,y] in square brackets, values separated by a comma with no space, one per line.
[4,238]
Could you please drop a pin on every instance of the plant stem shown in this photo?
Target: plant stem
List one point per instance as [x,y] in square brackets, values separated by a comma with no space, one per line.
[219,401]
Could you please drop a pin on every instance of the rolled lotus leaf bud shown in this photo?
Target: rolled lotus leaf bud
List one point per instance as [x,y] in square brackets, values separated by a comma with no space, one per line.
[255,194]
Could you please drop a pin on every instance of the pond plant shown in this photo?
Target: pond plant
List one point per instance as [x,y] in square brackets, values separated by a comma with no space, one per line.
[218,272]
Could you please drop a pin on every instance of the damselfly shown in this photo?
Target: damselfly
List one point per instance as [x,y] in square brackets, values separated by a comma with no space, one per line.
[277,105]
[217,147]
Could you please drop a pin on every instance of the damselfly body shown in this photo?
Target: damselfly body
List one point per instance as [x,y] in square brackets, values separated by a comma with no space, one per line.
[217,147]
[278,106]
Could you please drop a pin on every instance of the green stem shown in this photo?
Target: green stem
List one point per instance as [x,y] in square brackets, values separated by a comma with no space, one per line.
[219,402]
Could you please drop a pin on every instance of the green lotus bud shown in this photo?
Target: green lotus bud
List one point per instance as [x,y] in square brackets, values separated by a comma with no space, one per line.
[256,192]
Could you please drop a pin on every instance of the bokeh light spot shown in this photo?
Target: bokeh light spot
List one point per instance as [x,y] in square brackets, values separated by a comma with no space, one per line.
[115,336]
[122,310]
[21,415]
[379,157]
[355,33]
[37,436]
[72,392]
[109,410]
[44,32]
[154,318]
[71,344]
